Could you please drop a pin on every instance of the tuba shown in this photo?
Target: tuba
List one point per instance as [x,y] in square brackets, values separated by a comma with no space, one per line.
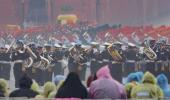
[149,53]
[114,53]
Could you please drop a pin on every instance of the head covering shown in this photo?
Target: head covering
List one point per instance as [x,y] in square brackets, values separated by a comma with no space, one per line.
[140,75]
[162,81]
[48,88]
[25,82]
[133,77]
[3,85]
[19,42]
[72,78]
[58,78]
[149,78]
[57,45]
[35,86]
[94,43]
[104,72]
[72,88]
[105,86]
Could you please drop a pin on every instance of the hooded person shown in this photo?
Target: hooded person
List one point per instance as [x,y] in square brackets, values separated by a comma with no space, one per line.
[72,88]
[105,87]
[148,89]
[90,79]
[132,81]
[140,76]
[162,81]
[3,88]
[24,88]
[35,87]
[58,81]
[48,88]
[58,78]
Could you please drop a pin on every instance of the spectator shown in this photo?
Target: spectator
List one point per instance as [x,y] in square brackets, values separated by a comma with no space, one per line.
[105,87]
[3,88]
[140,75]
[72,88]
[163,83]
[49,87]
[147,89]
[90,79]
[24,88]
[132,81]
[58,80]
[35,87]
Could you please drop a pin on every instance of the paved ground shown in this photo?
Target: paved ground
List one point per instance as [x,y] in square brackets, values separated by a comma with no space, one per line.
[11,82]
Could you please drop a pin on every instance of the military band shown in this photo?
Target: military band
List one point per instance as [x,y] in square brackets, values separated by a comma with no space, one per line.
[43,62]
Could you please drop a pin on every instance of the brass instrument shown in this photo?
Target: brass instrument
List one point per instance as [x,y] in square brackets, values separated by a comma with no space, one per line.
[45,63]
[149,53]
[30,52]
[11,45]
[27,63]
[114,53]
[77,56]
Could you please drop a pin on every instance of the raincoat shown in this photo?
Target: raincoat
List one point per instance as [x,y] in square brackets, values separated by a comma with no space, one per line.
[162,81]
[148,89]
[105,87]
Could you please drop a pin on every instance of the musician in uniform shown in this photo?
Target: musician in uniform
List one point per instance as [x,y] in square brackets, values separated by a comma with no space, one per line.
[77,61]
[105,55]
[57,56]
[116,60]
[131,55]
[74,52]
[71,63]
[95,58]
[40,71]
[34,71]
[48,72]
[83,64]
[149,56]
[162,57]
[19,56]
[5,65]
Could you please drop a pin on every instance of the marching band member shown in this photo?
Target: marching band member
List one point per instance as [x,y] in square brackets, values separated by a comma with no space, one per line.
[34,71]
[5,65]
[95,57]
[77,60]
[19,56]
[105,55]
[131,55]
[116,60]
[57,56]
[48,72]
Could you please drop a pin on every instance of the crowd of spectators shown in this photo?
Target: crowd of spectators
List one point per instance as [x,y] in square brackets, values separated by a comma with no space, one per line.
[102,85]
